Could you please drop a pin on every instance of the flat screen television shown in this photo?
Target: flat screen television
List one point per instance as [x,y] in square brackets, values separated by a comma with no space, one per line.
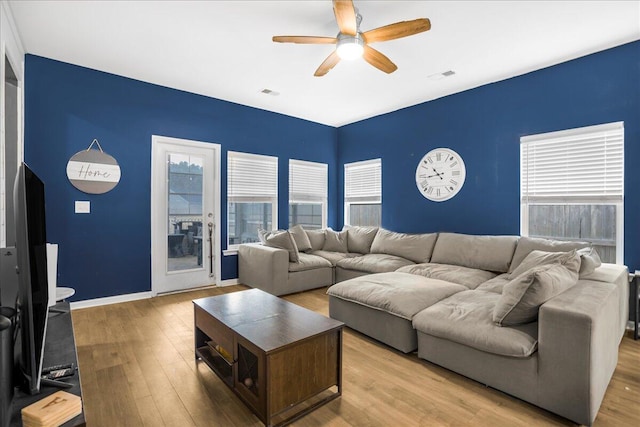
[33,290]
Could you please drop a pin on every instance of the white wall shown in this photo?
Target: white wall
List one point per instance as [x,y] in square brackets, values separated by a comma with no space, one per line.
[12,50]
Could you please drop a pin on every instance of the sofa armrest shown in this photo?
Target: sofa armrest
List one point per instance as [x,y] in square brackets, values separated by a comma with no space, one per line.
[578,349]
[263,267]
[619,276]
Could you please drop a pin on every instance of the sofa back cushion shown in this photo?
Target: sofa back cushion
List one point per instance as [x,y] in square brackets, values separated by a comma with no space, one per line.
[522,297]
[335,241]
[414,247]
[281,239]
[300,236]
[359,239]
[536,258]
[316,238]
[528,244]
[492,253]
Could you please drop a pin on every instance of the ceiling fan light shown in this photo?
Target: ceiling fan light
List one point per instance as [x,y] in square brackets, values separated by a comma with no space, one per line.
[350,47]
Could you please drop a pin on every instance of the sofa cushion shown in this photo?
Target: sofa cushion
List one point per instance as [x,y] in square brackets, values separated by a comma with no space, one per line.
[496,284]
[333,257]
[335,241]
[414,247]
[467,318]
[492,253]
[522,297]
[469,277]
[280,239]
[536,258]
[359,239]
[308,262]
[400,294]
[528,244]
[300,236]
[373,263]
[316,238]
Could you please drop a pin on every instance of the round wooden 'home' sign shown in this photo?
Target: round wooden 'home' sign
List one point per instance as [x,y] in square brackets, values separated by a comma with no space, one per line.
[93,171]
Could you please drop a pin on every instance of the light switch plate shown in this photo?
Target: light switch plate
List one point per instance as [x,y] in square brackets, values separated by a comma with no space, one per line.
[83,206]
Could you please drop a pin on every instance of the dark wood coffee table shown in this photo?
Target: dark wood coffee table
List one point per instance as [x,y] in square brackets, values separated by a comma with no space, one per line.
[282,360]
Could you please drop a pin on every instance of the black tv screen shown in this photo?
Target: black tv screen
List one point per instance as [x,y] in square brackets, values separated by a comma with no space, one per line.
[33,289]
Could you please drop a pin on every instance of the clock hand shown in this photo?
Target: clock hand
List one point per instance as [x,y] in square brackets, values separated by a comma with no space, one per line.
[439,175]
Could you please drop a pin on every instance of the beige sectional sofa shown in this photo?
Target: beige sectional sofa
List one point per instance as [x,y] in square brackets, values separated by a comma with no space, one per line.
[538,319]
[352,252]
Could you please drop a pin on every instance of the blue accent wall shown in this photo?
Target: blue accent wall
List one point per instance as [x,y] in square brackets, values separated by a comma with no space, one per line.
[484,126]
[108,252]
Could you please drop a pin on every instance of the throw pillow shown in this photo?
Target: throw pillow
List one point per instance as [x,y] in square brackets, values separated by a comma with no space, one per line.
[316,237]
[536,258]
[528,244]
[359,239]
[522,297]
[280,239]
[589,260]
[335,241]
[300,236]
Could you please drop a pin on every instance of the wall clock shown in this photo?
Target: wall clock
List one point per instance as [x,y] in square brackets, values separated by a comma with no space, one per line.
[440,174]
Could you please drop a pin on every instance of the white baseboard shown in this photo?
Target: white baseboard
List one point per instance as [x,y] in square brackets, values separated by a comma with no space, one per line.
[134,297]
[630,325]
[109,300]
[229,282]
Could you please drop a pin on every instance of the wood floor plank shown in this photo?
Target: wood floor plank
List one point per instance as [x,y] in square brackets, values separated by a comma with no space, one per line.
[138,368]
[149,413]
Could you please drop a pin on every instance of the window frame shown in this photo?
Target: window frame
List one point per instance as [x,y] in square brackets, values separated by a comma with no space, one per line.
[299,195]
[612,195]
[248,194]
[366,195]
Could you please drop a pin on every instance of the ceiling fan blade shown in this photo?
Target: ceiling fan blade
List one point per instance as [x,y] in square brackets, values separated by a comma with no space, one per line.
[345,16]
[397,30]
[328,64]
[304,39]
[378,60]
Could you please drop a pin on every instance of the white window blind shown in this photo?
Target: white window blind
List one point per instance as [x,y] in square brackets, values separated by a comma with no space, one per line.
[251,177]
[307,181]
[363,181]
[585,164]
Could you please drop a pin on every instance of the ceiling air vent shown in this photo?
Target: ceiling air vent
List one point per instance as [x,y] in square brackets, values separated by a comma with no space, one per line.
[438,76]
[269,92]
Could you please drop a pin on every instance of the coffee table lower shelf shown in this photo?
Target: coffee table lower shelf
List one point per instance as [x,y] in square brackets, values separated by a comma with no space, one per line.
[280,384]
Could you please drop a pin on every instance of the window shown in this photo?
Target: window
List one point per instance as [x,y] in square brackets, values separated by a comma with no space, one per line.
[572,187]
[363,193]
[308,194]
[252,195]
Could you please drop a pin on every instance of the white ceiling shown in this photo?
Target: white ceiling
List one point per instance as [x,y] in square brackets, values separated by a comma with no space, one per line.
[223,49]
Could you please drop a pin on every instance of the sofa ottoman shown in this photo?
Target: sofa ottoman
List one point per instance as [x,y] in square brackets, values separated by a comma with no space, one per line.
[382,305]
[458,333]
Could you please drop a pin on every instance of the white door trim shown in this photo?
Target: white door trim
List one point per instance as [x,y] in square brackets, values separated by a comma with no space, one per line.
[157,217]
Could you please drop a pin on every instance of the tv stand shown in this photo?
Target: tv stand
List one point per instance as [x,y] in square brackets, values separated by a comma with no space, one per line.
[59,348]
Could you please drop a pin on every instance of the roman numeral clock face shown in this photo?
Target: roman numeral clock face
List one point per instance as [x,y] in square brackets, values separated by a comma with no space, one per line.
[440,174]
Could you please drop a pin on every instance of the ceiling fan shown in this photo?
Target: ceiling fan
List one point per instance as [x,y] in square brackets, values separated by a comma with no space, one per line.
[352,43]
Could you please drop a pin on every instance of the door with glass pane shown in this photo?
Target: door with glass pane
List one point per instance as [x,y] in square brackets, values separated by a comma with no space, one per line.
[183,222]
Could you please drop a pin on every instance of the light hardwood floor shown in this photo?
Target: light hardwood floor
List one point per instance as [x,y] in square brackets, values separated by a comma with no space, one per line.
[137,369]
